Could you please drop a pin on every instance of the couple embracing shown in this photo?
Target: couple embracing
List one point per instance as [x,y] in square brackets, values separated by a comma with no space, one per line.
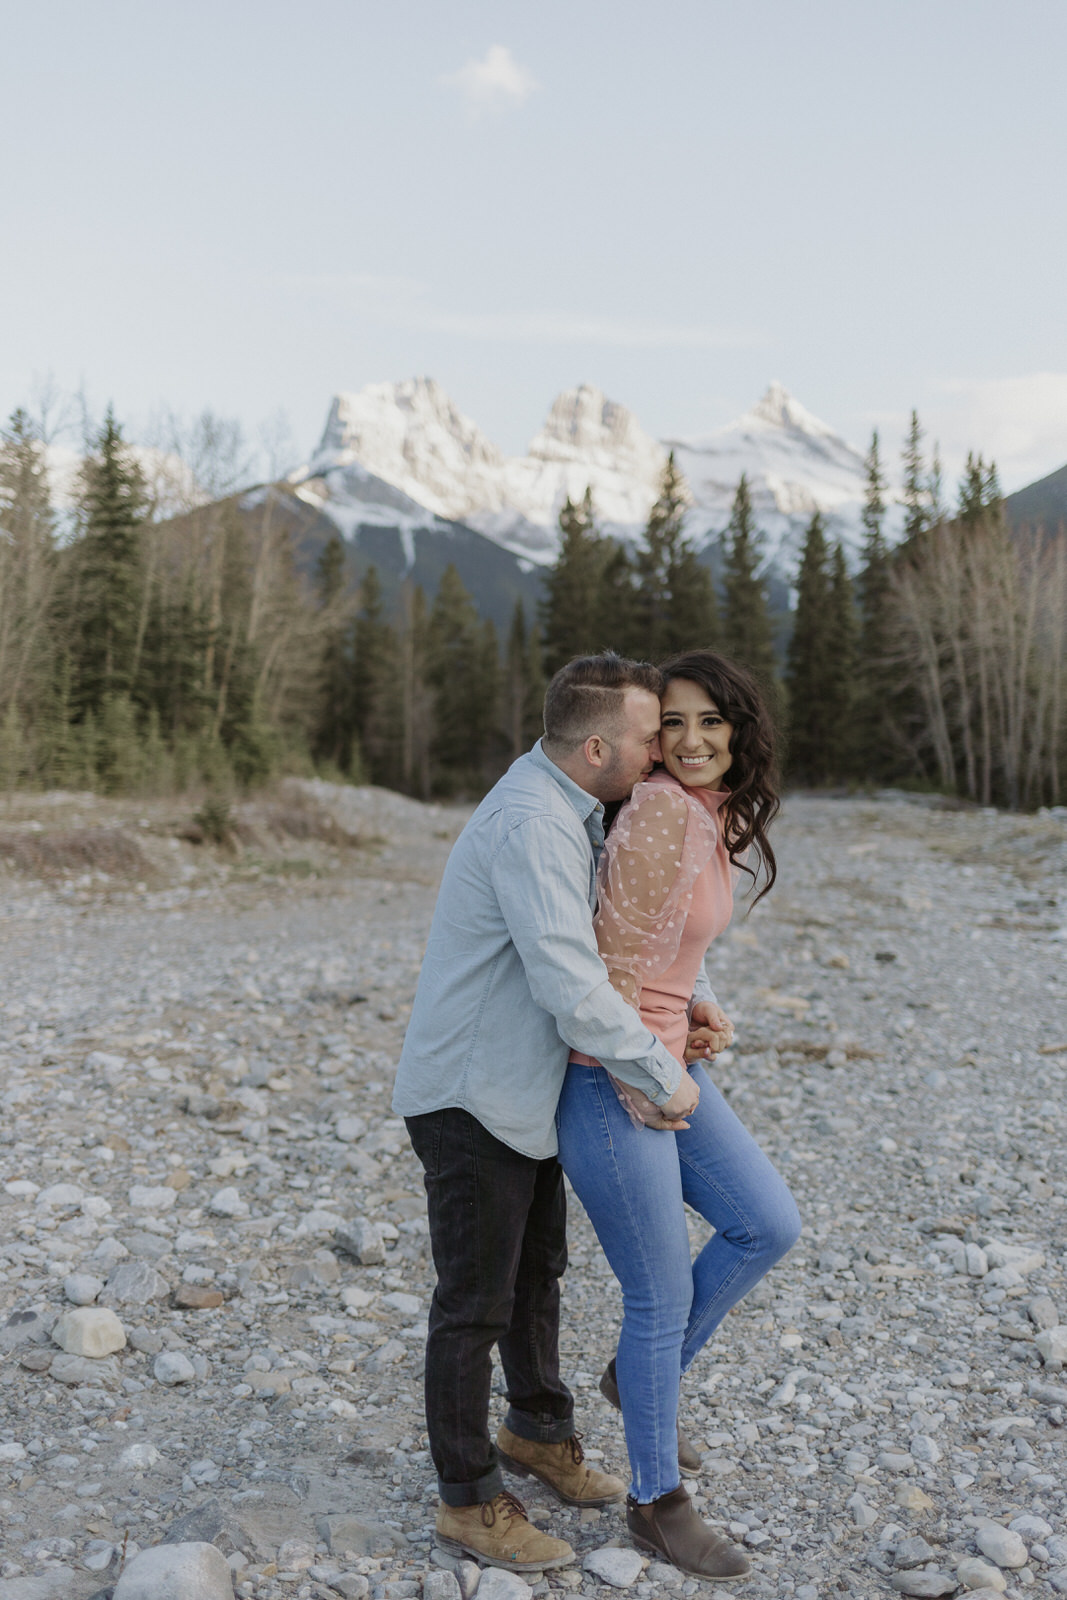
[560,1019]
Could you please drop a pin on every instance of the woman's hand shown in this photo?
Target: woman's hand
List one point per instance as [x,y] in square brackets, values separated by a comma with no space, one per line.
[684,1100]
[711,1032]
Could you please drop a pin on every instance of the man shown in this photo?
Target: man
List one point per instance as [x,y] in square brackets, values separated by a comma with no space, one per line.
[510,982]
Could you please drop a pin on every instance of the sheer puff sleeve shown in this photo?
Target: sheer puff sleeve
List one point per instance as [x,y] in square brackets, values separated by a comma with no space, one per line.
[654,854]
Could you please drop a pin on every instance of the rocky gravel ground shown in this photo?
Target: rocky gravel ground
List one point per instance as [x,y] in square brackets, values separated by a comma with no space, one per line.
[214,1272]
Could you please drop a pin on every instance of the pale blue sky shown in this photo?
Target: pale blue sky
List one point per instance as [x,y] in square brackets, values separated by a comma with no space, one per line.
[249,204]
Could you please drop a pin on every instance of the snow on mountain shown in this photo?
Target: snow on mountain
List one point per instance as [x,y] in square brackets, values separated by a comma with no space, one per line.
[405,449]
[795,465]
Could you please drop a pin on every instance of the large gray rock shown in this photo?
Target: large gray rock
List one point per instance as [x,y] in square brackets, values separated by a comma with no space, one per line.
[56,1584]
[171,1367]
[619,1567]
[78,1370]
[362,1240]
[364,1538]
[1001,1545]
[26,1327]
[134,1283]
[176,1572]
[498,1584]
[913,1552]
[89,1331]
[974,1573]
[440,1585]
[1052,1343]
[924,1585]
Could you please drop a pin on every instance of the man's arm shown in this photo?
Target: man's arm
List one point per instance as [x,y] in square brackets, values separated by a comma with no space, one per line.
[539,876]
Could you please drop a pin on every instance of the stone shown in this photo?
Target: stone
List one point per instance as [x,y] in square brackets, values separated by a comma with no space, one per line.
[195,1297]
[498,1584]
[60,1197]
[82,1288]
[913,1552]
[974,1573]
[178,1571]
[152,1197]
[921,1582]
[228,1203]
[26,1327]
[362,1240]
[58,1583]
[441,1585]
[134,1283]
[1042,1312]
[349,1128]
[172,1367]
[975,1260]
[345,1532]
[89,1331]
[350,1585]
[611,1565]
[863,1515]
[1032,1527]
[139,1457]
[1058,1580]
[466,1573]
[76,1370]
[925,1449]
[1023,1259]
[1001,1545]
[895,1460]
[1052,1344]
[911,1498]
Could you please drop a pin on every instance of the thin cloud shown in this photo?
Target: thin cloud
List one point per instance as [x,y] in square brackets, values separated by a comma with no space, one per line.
[496,83]
[405,302]
[1020,422]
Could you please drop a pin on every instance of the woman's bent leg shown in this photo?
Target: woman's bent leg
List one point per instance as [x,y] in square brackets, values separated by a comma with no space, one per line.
[628,1180]
[728,1179]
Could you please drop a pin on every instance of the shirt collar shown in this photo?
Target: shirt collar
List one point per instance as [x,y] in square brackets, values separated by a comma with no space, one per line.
[582,801]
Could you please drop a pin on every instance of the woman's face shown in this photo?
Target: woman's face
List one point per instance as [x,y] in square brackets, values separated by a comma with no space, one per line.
[694,739]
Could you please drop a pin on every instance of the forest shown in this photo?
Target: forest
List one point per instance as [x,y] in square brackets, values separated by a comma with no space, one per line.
[154,640]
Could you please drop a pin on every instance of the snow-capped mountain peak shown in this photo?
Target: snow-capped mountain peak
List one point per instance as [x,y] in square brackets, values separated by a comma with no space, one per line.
[778,409]
[409,439]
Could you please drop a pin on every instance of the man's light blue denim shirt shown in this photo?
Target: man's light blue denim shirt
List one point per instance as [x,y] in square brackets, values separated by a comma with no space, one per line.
[511,980]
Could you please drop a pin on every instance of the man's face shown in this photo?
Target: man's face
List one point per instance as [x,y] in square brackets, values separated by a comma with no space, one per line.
[635,748]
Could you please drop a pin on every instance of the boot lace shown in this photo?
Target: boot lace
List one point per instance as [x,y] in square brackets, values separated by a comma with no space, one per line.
[577,1453]
[504,1505]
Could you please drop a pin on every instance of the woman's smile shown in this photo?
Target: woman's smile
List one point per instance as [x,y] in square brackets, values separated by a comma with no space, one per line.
[694,737]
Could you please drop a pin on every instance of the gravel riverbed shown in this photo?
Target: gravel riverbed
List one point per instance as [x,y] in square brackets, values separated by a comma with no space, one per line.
[214,1265]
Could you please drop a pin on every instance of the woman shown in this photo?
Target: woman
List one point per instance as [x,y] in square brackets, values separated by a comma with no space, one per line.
[666,890]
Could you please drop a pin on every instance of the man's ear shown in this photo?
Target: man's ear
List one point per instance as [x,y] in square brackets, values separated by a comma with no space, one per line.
[595,750]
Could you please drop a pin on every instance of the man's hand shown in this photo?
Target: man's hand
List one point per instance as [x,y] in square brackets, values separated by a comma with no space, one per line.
[684,1100]
[711,1031]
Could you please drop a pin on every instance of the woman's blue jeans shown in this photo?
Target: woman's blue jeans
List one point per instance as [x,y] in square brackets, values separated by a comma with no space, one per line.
[632,1183]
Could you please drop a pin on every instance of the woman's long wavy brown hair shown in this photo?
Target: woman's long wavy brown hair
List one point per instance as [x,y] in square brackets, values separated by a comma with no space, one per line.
[753,800]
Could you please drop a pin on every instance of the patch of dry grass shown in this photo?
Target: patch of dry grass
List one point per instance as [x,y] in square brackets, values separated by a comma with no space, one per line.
[55,853]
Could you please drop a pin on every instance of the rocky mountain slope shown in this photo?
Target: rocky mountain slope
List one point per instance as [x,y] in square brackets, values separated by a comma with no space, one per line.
[412,439]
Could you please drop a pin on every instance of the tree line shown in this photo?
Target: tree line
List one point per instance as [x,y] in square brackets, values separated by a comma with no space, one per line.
[164,639]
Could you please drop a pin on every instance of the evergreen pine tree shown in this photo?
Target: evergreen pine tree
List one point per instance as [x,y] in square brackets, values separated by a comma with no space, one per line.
[617,624]
[375,686]
[747,634]
[971,503]
[332,737]
[675,600]
[808,668]
[841,676]
[873,740]
[524,685]
[108,572]
[915,494]
[27,575]
[570,610]
[465,687]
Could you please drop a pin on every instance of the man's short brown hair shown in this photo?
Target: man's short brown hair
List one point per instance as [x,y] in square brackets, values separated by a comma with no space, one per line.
[586,697]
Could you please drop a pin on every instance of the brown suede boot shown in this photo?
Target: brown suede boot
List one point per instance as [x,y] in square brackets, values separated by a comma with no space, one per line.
[498,1533]
[689,1461]
[561,1468]
[671,1527]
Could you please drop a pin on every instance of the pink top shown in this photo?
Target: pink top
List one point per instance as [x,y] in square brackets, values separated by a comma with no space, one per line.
[665,892]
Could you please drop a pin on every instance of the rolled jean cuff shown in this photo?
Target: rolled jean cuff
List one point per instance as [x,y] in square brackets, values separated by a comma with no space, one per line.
[487,1487]
[539,1428]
